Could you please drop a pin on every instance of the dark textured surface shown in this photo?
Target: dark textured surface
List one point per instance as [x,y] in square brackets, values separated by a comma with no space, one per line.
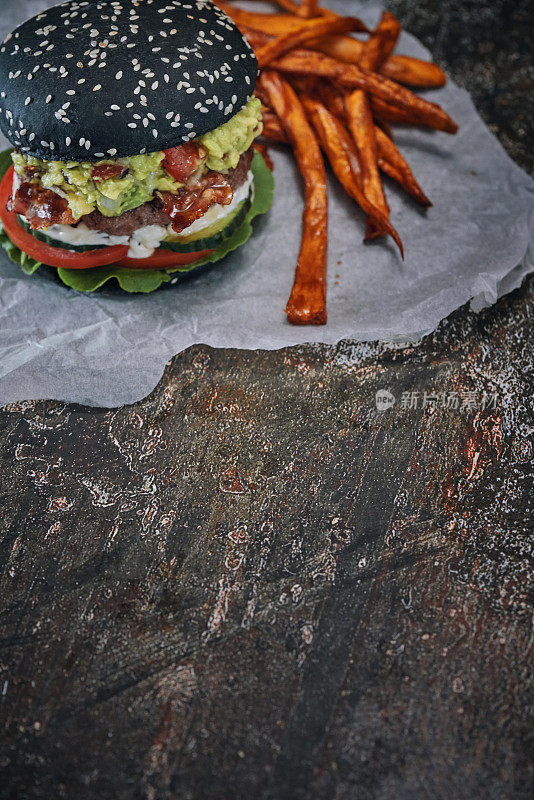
[256,584]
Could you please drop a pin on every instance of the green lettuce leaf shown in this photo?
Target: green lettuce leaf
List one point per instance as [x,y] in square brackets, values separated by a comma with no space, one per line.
[27,264]
[5,161]
[146,280]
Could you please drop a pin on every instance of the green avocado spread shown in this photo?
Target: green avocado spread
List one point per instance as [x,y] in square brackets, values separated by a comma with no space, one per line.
[143,175]
[226,144]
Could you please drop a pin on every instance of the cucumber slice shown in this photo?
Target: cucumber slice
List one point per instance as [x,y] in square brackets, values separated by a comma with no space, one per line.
[43,237]
[210,237]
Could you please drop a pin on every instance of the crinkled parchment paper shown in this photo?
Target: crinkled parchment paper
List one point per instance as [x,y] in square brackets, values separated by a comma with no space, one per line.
[111,348]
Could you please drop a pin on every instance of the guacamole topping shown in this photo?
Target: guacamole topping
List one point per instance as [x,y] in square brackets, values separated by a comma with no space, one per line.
[226,144]
[143,175]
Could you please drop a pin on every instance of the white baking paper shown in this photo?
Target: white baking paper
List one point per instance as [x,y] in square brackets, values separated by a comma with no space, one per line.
[110,348]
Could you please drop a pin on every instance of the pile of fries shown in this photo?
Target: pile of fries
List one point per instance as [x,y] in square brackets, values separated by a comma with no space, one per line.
[323,89]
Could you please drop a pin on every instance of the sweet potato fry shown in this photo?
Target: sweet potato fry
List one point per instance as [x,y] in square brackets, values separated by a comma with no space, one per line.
[393,163]
[341,47]
[272,129]
[263,96]
[338,148]
[309,8]
[316,28]
[303,83]
[261,148]
[362,129]
[308,62]
[332,98]
[386,111]
[393,173]
[381,42]
[288,5]
[324,91]
[256,39]
[384,125]
[300,10]
[404,69]
[414,72]
[343,159]
[360,120]
[281,23]
[272,24]
[307,302]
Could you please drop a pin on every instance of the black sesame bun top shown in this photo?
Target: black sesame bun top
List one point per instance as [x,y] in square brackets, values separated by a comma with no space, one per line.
[101,79]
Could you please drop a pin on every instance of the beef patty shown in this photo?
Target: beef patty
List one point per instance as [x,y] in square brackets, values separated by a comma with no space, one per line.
[152,213]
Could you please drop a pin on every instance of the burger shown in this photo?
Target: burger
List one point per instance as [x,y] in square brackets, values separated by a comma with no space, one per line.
[133,125]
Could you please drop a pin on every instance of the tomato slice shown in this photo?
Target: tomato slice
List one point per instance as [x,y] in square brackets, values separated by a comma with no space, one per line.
[58,257]
[161,259]
[183,160]
[40,251]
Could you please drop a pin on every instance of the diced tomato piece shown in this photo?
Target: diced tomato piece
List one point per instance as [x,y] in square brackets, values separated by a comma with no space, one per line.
[182,161]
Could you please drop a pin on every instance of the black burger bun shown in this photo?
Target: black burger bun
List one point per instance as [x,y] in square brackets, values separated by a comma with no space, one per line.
[98,79]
